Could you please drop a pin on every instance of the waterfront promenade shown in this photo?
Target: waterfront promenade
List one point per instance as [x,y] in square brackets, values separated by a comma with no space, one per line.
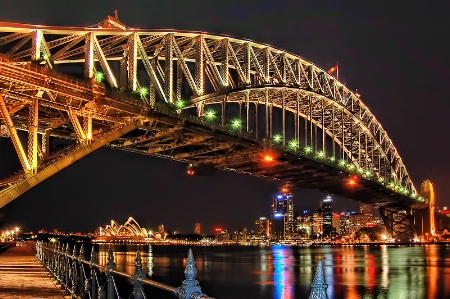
[21,275]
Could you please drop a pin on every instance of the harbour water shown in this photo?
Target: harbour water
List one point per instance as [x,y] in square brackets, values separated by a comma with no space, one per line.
[378,271]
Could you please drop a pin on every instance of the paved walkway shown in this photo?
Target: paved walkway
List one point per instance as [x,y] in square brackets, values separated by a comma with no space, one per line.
[21,276]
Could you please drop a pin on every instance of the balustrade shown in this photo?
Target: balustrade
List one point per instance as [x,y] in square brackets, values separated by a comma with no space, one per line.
[69,269]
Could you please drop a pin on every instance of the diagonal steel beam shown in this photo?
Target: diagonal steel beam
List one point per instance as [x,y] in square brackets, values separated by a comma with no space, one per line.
[14,137]
[79,152]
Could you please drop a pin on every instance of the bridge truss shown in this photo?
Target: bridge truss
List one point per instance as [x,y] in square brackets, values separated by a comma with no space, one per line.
[196,98]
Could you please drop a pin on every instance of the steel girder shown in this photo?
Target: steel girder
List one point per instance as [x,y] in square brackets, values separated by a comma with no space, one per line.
[218,71]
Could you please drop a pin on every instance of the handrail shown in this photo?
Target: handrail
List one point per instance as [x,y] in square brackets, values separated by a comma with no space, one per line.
[70,271]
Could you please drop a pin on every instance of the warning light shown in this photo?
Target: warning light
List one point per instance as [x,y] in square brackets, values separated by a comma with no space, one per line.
[352,180]
[218,230]
[285,190]
[268,158]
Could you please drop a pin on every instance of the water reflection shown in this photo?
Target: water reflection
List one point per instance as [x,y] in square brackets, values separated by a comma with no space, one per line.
[283,277]
[287,272]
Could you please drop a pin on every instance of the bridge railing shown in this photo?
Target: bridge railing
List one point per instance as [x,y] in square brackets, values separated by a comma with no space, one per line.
[80,278]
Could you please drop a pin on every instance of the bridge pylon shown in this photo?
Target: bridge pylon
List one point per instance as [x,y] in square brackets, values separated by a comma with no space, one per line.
[424,219]
[399,222]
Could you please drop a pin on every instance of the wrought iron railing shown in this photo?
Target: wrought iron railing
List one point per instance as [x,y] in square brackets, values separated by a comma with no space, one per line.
[80,278]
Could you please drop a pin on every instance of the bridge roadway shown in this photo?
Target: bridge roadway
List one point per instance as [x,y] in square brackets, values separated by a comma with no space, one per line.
[21,276]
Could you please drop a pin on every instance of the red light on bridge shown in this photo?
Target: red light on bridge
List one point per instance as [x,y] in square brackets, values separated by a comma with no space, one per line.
[268,158]
[353,180]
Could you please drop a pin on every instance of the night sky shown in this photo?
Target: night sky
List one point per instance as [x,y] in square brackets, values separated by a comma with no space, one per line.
[395,54]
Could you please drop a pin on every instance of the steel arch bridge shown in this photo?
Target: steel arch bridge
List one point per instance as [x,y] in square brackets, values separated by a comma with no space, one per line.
[197,98]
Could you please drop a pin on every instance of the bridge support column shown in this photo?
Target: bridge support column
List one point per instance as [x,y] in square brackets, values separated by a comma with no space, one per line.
[399,222]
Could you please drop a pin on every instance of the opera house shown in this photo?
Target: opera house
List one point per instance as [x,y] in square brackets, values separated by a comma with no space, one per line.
[130,232]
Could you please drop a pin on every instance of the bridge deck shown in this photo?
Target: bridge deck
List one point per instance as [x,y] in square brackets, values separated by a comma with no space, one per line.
[21,276]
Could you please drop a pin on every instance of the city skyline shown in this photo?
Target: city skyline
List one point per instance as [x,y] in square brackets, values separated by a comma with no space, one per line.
[409,100]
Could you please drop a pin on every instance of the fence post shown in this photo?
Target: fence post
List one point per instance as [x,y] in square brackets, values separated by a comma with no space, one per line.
[138,273]
[67,270]
[190,288]
[319,286]
[93,280]
[109,276]
[74,272]
[82,275]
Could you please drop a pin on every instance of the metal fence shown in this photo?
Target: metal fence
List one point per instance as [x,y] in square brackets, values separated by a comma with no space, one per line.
[82,279]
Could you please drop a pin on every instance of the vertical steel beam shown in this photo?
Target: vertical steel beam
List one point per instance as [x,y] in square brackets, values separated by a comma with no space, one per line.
[333,142]
[247,111]
[224,105]
[256,120]
[246,64]
[179,81]
[296,119]
[14,137]
[123,75]
[46,143]
[168,67]
[343,134]
[266,101]
[87,127]
[89,56]
[132,61]
[323,127]
[311,123]
[283,117]
[33,135]
[266,64]
[224,62]
[271,121]
[199,65]
[36,45]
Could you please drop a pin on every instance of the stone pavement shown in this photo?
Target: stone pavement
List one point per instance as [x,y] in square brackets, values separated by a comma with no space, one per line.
[21,276]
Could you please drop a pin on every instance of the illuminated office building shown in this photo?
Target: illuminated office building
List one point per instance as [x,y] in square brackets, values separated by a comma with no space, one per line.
[262,226]
[327,215]
[283,223]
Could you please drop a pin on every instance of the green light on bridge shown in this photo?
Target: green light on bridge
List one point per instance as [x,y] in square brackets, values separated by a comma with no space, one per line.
[321,155]
[99,76]
[293,145]
[180,104]
[332,159]
[342,163]
[308,149]
[210,115]
[143,91]
[277,138]
[236,124]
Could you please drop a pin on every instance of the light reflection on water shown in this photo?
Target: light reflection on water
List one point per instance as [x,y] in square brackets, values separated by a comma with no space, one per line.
[287,272]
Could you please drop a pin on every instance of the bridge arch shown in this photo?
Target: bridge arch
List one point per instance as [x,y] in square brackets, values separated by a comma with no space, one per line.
[164,68]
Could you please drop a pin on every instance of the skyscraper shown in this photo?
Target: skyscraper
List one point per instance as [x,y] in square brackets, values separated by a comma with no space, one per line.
[262,226]
[283,215]
[327,215]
